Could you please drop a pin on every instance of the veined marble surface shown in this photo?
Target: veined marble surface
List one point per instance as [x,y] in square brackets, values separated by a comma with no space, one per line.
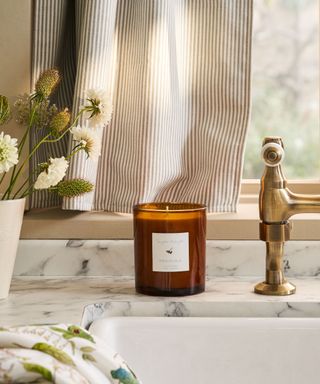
[115,258]
[35,300]
[55,279]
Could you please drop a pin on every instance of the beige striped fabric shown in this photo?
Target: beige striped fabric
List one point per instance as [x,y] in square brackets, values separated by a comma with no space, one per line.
[179,75]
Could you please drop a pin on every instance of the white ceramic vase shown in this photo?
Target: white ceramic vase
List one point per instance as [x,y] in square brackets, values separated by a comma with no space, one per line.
[11,215]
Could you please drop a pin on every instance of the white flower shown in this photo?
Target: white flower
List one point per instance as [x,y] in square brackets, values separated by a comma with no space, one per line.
[8,152]
[53,174]
[43,181]
[99,108]
[89,141]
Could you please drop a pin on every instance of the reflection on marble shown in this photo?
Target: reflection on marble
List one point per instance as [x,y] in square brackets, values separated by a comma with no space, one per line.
[115,258]
[51,300]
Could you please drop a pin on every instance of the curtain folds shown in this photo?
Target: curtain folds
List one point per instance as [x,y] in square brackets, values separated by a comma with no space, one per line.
[179,75]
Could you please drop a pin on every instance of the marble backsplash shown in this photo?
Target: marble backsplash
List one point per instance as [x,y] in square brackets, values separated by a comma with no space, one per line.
[115,258]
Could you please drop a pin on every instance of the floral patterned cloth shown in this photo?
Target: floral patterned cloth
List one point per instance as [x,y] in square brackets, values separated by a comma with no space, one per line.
[62,354]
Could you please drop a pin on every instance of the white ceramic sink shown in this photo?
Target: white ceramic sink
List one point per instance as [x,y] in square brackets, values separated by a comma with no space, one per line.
[190,350]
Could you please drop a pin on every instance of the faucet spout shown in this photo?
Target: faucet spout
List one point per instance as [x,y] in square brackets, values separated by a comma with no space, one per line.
[300,203]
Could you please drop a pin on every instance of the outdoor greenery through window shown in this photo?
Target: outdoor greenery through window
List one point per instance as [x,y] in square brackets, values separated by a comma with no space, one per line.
[285,86]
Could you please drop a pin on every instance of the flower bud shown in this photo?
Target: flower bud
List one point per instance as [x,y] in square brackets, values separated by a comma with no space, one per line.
[73,188]
[4,110]
[47,82]
[59,122]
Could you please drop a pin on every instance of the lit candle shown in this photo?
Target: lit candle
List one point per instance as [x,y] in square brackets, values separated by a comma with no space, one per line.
[170,244]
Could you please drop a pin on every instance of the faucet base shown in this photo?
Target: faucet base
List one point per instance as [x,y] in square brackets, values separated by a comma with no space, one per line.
[283,289]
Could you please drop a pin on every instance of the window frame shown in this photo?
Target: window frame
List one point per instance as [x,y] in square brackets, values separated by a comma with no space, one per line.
[250,188]
[59,224]
[242,225]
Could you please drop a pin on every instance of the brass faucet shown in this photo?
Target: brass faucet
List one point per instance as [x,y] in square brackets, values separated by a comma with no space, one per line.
[276,205]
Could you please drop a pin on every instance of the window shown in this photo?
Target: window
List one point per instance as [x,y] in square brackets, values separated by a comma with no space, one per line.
[285,86]
[285,103]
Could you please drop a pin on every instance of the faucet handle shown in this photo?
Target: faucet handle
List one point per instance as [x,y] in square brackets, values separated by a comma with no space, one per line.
[272,152]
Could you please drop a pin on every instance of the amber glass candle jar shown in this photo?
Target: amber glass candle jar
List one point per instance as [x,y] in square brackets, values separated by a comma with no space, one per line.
[170,248]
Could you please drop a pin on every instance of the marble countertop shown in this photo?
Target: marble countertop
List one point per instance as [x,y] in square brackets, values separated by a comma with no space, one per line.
[34,300]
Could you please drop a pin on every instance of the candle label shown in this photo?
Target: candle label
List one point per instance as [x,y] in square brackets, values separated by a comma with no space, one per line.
[170,252]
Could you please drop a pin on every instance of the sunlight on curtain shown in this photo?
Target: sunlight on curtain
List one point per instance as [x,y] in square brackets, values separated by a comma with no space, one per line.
[179,73]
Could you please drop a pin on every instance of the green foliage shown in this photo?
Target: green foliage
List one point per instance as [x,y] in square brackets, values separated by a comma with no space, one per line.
[73,188]
[45,125]
[42,112]
[274,113]
[285,91]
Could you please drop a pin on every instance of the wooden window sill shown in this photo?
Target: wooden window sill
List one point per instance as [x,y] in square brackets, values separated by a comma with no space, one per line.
[243,225]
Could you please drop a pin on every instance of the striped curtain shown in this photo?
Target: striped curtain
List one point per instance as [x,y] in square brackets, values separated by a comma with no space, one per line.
[179,75]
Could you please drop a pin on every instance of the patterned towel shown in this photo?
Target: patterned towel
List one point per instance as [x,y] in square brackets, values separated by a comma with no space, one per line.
[62,354]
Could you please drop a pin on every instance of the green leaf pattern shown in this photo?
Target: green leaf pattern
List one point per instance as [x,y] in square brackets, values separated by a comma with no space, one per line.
[74,331]
[60,353]
[44,372]
[54,352]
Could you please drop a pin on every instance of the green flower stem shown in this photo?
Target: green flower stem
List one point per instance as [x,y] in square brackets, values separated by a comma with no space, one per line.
[16,194]
[21,146]
[35,148]
[12,183]
[24,138]
[25,182]
[2,177]
[71,126]
[27,192]
[75,150]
